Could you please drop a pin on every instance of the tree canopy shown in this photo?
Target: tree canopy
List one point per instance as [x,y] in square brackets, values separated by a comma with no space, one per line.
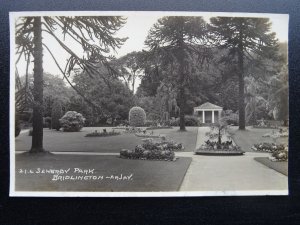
[243,38]
[94,34]
[175,40]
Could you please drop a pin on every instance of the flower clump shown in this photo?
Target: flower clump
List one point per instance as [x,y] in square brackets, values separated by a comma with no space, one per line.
[72,121]
[281,155]
[104,133]
[267,147]
[151,150]
[279,152]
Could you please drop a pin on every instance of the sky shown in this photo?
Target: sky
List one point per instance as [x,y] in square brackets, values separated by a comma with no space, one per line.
[136,29]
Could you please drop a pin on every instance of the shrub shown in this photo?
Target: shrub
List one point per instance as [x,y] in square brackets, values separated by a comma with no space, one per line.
[17,126]
[231,118]
[150,123]
[137,116]
[48,122]
[121,123]
[191,121]
[72,121]
[104,133]
[56,114]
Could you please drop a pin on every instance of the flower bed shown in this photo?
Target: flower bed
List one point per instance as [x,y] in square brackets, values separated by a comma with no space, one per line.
[104,133]
[280,155]
[151,150]
[214,148]
[121,127]
[267,124]
[145,135]
[159,127]
[133,130]
[265,127]
[279,152]
[280,133]
[267,147]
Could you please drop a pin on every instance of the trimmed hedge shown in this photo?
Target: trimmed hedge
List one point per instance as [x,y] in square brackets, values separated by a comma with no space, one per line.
[137,116]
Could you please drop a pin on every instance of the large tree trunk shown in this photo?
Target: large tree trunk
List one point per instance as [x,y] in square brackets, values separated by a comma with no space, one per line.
[37,121]
[182,97]
[182,108]
[241,80]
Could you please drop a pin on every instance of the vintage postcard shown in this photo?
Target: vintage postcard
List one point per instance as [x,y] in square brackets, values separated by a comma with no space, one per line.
[148,104]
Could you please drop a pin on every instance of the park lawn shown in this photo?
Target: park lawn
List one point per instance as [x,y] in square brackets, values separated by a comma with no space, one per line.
[58,141]
[143,175]
[247,138]
[187,138]
[281,167]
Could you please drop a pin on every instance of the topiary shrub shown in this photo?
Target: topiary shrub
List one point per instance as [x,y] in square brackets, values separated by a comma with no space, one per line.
[137,116]
[56,114]
[72,121]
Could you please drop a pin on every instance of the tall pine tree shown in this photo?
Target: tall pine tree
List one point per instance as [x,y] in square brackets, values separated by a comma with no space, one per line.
[176,40]
[243,37]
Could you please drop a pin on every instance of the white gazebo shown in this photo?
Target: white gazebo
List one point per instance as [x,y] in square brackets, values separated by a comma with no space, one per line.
[208,112]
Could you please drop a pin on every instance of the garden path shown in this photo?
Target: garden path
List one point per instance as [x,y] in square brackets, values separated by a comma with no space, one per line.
[230,174]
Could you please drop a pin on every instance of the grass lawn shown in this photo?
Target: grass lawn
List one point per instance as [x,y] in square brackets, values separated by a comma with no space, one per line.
[281,167]
[187,138]
[247,138]
[77,142]
[142,175]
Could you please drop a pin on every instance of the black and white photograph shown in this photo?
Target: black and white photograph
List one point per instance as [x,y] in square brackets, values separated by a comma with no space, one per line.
[135,104]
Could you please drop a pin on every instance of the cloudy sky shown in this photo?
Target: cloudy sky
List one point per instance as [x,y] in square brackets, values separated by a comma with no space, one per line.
[136,29]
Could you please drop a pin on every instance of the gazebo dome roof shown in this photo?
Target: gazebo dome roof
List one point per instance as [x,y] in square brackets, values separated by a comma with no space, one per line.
[208,105]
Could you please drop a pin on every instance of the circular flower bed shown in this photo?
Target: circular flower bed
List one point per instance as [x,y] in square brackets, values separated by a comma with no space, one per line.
[150,150]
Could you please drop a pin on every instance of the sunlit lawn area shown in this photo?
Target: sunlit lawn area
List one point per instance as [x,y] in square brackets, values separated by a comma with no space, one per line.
[247,138]
[77,142]
[143,175]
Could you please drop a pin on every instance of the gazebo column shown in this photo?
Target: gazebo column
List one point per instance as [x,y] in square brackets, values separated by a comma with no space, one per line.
[213,116]
[203,116]
[219,115]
